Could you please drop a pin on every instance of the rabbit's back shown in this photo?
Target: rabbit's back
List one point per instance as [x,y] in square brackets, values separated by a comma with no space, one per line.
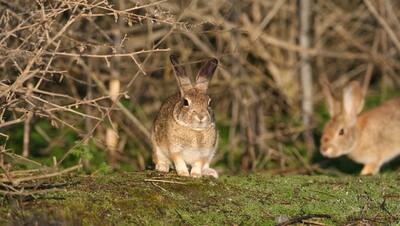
[383,121]
[380,132]
[164,115]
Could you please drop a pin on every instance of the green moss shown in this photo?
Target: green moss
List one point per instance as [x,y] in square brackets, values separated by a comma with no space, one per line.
[129,198]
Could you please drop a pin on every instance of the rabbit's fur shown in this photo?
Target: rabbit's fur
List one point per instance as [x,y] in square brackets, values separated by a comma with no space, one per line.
[371,138]
[184,131]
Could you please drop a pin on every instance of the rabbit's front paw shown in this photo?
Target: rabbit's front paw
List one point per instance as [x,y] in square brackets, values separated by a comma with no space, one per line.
[182,172]
[195,172]
[180,166]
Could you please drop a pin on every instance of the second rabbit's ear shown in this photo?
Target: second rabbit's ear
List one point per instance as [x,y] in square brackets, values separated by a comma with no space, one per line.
[205,74]
[353,100]
[332,102]
[180,75]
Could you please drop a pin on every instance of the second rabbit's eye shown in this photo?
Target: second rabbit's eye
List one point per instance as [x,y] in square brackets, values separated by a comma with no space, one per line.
[185,102]
[341,132]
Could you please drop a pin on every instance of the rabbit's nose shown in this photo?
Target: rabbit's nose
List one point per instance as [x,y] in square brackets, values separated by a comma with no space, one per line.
[325,148]
[201,118]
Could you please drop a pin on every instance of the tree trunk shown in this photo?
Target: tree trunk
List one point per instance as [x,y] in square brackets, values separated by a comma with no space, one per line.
[306,72]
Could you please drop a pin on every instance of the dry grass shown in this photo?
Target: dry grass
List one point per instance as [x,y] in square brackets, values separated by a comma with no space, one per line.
[58,57]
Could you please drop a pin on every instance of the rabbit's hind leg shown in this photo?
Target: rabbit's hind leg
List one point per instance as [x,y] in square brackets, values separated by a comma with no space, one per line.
[160,160]
[207,171]
[370,169]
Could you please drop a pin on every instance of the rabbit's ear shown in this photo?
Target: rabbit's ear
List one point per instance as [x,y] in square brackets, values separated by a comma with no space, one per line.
[180,75]
[333,103]
[353,100]
[205,74]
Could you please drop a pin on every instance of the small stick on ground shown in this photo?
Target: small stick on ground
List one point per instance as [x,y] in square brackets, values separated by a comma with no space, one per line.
[299,219]
[164,181]
[158,186]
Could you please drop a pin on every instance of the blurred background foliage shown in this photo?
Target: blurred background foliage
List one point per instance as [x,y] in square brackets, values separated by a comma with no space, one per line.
[81,81]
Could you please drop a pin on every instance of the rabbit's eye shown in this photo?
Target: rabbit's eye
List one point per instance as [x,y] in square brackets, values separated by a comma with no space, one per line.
[341,132]
[185,102]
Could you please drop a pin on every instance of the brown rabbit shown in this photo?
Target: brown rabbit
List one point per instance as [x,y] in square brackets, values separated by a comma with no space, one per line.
[371,138]
[184,131]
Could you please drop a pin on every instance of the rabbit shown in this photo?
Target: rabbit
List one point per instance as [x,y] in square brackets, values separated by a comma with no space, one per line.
[371,138]
[184,131]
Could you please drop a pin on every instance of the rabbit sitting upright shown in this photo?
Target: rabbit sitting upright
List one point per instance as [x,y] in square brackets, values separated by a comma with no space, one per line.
[371,138]
[184,131]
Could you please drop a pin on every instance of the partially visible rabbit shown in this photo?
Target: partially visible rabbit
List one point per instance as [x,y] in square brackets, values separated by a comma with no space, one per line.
[184,131]
[371,138]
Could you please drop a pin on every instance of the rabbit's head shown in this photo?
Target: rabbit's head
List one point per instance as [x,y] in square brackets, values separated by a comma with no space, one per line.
[340,134]
[193,109]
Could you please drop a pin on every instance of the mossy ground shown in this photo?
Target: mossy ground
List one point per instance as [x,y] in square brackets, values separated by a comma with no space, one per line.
[258,199]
